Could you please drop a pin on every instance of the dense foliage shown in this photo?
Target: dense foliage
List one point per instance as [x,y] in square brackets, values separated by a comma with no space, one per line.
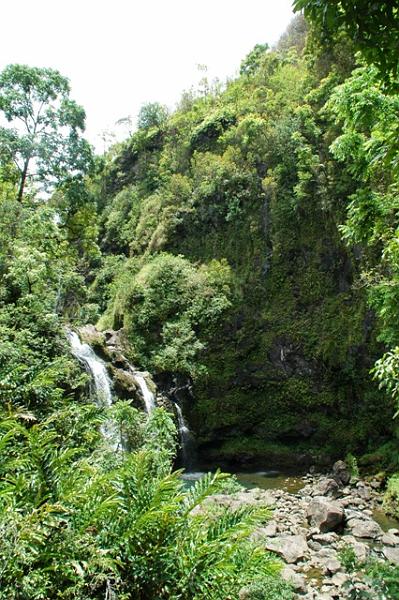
[373,26]
[246,247]
[112,525]
[265,176]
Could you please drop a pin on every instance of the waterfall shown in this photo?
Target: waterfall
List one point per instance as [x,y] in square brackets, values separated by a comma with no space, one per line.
[102,383]
[186,440]
[148,396]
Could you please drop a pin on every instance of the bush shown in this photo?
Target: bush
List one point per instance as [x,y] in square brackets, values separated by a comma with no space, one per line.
[169,307]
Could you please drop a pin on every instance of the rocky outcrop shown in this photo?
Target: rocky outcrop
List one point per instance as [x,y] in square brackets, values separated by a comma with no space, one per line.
[112,347]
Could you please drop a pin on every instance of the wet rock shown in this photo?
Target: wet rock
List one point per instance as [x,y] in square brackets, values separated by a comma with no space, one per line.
[90,335]
[291,548]
[341,472]
[124,383]
[325,514]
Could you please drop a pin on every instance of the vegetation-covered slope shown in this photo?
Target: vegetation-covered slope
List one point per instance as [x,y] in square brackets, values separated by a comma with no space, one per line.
[231,267]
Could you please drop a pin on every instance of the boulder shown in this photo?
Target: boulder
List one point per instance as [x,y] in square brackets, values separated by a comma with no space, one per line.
[327,487]
[363,491]
[360,549]
[365,528]
[271,529]
[341,472]
[326,538]
[90,335]
[390,540]
[124,383]
[291,548]
[339,579]
[325,514]
[332,566]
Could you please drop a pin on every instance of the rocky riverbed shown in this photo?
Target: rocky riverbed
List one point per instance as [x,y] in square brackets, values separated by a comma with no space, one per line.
[312,529]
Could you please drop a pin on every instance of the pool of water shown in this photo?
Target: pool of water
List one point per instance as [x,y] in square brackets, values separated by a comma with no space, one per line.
[271,480]
[265,480]
[384,521]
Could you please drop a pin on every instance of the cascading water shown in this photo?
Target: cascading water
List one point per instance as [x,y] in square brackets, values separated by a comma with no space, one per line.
[148,396]
[186,440]
[102,383]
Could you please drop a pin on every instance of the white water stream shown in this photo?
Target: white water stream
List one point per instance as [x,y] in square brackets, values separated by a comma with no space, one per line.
[148,396]
[186,438]
[102,383]
[103,397]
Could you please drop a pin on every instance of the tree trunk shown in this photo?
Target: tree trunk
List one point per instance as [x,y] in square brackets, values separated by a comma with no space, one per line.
[23,180]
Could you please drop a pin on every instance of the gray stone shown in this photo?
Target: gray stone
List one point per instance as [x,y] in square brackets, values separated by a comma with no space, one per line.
[360,549]
[391,554]
[339,579]
[297,581]
[365,528]
[325,514]
[333,566]
[327,487]
[271,529]
[353,514]
[290,547]
[316,546]
[326,538]
[341,472]
[390,540]
[363,491]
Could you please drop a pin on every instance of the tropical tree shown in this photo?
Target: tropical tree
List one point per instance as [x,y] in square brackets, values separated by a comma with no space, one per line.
[152,114]
[373,27]
[43,137]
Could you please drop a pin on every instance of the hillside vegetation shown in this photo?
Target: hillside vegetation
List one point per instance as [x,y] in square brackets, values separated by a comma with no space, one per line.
[238,252]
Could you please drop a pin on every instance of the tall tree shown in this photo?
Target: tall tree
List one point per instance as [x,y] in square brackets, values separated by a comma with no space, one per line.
[44,136]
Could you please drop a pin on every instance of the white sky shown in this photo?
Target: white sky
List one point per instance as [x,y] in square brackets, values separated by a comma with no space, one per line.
[120,54]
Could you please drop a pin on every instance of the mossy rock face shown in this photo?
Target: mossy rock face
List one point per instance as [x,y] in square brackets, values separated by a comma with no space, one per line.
[125,385]
[292,363]
[90,335]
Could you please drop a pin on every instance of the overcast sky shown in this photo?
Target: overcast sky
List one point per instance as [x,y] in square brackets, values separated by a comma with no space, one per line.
[119,54]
